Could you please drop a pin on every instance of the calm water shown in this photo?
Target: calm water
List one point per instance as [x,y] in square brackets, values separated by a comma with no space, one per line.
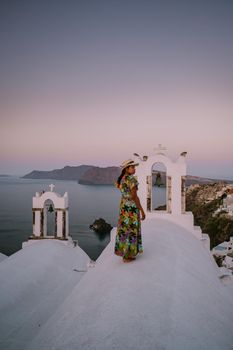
[86,203]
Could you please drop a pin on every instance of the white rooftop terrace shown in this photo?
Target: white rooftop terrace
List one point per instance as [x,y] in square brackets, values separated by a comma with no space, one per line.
[2,257]
[170,298]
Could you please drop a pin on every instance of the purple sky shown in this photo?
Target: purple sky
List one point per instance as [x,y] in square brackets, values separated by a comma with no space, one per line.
[92,82]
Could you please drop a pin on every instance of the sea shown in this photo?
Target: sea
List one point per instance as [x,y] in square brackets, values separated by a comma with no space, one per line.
[86,204]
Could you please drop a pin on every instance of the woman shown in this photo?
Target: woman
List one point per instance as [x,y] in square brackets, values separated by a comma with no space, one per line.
[128,239]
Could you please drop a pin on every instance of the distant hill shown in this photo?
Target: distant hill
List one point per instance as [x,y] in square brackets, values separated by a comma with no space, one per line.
[191,180]
[100,176]
[93,175]
[67,173]
[83,174]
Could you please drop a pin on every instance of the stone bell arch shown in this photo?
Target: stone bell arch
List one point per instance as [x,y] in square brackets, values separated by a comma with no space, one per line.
[175,190]
[40,212]
[175,183]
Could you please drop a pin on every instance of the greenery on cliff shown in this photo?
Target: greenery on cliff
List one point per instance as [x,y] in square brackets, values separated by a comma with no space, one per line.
[203,201]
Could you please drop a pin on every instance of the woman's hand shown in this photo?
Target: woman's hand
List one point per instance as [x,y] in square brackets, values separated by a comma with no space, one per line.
[143,215]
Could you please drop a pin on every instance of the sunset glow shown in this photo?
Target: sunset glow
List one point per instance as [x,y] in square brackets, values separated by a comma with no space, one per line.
[92,82]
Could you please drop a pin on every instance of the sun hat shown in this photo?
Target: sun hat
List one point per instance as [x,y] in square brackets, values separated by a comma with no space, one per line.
[128,162]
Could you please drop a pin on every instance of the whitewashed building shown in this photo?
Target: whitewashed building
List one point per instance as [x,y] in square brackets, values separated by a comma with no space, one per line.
[228,204]
[223,248]
[228,262]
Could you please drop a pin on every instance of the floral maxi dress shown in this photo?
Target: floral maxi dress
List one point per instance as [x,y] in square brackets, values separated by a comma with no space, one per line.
[128,239]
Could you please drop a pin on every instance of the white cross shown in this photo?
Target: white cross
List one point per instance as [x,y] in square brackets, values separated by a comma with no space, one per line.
[160,148]
[51,187]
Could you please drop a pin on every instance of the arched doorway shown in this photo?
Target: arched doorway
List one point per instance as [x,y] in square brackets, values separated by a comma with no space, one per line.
[159,187]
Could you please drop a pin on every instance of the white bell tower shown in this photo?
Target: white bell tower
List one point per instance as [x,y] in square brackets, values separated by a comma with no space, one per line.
[40,211]
[175,190]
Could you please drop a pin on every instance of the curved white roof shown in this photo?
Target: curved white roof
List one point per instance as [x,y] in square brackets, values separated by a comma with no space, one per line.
[169,298]
[34,282]
[2,257]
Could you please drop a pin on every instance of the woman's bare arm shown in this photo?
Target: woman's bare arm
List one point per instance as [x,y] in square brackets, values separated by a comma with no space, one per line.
[136,199]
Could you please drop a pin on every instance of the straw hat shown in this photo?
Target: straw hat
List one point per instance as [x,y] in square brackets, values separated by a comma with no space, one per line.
[127,163]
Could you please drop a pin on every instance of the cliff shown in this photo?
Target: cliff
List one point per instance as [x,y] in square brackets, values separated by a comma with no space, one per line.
[203,201]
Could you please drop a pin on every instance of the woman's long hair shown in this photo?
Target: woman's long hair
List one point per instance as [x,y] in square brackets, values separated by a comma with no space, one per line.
[120,177]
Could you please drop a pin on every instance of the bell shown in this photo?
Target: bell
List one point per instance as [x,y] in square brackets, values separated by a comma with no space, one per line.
[50,209]
[158,181]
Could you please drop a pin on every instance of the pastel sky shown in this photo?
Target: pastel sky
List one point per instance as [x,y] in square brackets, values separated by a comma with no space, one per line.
[92,82]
